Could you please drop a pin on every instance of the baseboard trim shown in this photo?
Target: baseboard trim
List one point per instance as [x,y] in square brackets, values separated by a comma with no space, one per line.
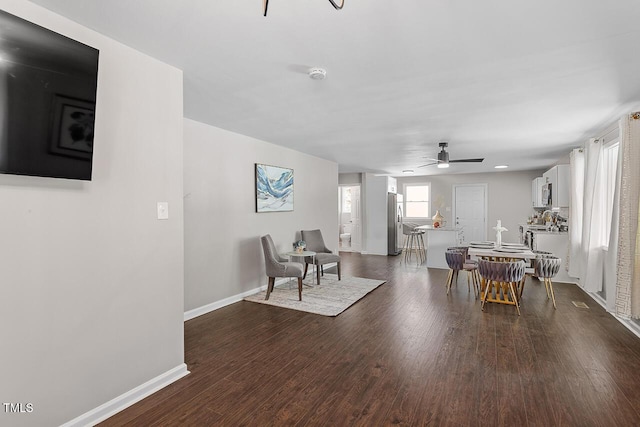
[188,315]
[127,399]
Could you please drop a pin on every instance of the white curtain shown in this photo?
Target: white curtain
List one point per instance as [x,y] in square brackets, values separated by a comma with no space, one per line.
[611,255]
[576,163]
[594,211]
[628,263]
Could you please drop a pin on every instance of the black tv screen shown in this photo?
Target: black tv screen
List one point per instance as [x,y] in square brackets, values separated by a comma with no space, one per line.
[47,101]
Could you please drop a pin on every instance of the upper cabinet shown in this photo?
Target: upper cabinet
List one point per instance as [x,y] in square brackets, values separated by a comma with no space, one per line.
[392,185]
[536,192]
[558,177]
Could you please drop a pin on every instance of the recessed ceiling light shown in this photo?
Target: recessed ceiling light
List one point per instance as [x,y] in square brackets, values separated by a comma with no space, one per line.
[501,166]
[407,171]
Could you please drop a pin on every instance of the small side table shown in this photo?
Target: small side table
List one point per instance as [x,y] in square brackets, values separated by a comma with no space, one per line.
[312,254]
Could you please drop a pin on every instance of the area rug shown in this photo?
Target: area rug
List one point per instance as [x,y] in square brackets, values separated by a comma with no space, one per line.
[330,298]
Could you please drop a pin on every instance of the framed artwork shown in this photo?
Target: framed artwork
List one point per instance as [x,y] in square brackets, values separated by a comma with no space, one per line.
[72,131]
[274,188]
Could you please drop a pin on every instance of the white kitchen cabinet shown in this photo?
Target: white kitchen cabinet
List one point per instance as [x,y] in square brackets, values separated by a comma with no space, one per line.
[392,185]
[558,177]
[536,192]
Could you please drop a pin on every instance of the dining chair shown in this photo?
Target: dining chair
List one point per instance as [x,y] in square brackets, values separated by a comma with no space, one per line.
[457,260]
[315,243]
[501,278]
[530,270]
[465,250]
[277,266]
[547,266]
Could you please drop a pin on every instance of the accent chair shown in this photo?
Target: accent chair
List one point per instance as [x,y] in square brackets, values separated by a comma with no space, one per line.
[315,243]
[278,266]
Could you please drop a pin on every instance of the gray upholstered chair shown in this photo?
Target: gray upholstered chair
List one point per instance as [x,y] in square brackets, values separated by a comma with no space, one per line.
[531,269]
[277,266]
[503,278]
[315,243]
[547,266]
[457,260]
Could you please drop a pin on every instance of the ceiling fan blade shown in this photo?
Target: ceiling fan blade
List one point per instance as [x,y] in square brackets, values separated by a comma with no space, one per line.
[428,164]
[467,161]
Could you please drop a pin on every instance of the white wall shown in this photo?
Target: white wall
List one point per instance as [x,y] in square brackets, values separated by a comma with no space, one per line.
[223,254]
[350,178]
[509,197]
[91,299]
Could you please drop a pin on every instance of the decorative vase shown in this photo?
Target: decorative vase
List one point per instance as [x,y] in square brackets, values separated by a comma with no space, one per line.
[300,246]
[437,219]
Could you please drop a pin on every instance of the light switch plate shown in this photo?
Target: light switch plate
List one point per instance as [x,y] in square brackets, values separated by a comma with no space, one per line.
[163,210]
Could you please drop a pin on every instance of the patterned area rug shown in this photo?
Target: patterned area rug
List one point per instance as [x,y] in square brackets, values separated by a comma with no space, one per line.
[330,298]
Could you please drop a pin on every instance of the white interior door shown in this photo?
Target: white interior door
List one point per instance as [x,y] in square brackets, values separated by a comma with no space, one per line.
[470,209]
[356,220]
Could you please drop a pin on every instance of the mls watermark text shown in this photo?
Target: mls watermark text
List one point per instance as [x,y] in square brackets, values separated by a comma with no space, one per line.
[18,408]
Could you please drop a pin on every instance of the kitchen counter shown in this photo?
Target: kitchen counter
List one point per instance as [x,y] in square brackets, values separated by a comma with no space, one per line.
[437,242]
[535,228]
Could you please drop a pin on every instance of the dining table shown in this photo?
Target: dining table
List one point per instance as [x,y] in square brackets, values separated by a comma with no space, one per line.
[505,252]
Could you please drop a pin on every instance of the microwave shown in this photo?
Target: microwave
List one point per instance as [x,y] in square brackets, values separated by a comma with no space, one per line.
[546,194]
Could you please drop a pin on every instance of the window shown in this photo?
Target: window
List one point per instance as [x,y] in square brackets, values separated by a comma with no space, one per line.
[416,200]
[346,199]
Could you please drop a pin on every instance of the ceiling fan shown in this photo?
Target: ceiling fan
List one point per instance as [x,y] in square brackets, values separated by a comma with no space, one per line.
[443,158]
[265,5]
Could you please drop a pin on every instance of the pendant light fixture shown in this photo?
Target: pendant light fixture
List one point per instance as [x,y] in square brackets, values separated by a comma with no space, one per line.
[334,3]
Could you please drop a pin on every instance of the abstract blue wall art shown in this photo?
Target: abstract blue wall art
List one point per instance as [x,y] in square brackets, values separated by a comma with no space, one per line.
[274,188]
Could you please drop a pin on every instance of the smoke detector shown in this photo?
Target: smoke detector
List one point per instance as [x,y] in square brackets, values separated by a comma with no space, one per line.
[317,73]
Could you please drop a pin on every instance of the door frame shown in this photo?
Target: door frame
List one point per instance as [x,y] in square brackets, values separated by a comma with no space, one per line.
[486,202]
[341,186]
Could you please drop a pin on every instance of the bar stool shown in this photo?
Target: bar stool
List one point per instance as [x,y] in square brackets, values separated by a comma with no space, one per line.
[418,237]
[547,266]
[503,278]
[413,238]
[456,260]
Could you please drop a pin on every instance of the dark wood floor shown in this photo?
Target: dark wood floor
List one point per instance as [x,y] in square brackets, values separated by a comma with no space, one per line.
[405,354]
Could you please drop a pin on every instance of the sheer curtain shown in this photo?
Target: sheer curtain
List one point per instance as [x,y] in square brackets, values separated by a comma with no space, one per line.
[591,252]
[628,264]
[576,166]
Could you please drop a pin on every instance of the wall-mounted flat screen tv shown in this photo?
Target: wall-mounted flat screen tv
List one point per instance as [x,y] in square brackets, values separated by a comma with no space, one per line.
[47,101]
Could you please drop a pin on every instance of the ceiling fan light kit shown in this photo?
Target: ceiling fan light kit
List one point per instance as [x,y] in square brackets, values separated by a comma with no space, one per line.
[335,4]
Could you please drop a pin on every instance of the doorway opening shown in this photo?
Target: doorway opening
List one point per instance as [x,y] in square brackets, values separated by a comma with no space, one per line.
[349,213]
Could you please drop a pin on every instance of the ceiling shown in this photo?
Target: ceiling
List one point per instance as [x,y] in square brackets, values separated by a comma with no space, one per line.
[518,83]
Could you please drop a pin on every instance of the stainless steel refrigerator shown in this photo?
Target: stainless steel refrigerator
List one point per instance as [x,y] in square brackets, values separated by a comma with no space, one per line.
[394,223]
